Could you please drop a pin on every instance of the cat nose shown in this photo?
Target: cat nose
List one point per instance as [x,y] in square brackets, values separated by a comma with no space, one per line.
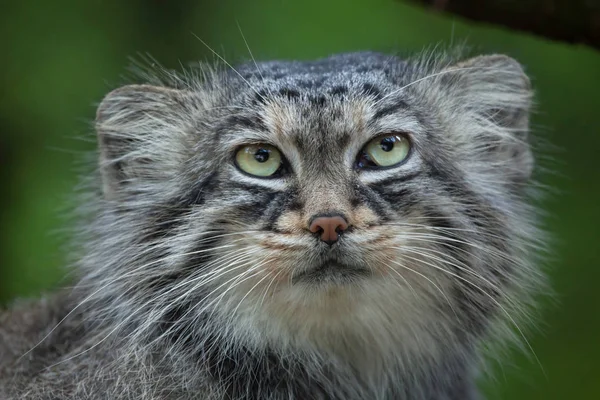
[329,228]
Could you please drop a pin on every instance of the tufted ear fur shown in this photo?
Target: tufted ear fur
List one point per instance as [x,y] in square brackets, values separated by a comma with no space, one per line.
[141,137]
[496,95]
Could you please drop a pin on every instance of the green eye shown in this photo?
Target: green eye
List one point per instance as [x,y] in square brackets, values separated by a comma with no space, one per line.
[384,151]
[261,160]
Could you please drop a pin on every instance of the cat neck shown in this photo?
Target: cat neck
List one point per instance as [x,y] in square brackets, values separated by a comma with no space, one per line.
[239,369]
[249,374]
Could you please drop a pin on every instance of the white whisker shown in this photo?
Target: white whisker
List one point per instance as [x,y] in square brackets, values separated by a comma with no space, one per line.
[230,66]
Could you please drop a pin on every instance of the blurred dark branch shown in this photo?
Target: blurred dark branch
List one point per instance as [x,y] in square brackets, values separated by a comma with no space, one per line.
[572,21]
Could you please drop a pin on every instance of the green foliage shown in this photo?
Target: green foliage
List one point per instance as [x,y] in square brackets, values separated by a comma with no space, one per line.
[60,57]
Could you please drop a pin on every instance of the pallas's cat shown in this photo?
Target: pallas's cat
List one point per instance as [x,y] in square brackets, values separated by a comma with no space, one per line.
[348,228]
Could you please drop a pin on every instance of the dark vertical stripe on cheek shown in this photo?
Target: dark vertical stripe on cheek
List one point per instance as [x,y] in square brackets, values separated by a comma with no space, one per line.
[253,205]
[277,205]
[250,212]
[370,198]
[200,190]
[202,252]
[398,199]
[176,313]
[265,206]
[165,218]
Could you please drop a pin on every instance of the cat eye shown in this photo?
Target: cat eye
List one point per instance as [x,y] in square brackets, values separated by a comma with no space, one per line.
[384,151]
[260,160]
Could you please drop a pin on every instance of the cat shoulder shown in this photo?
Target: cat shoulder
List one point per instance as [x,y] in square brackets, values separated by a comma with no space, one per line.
[24,323]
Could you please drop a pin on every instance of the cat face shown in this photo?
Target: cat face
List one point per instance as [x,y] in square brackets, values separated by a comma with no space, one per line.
[358,193]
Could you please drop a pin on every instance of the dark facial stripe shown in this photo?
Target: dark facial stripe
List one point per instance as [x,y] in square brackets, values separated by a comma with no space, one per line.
[167,217]
[202,253]
[399,199]
[391,109]
[373,200]
[252,211]
[172,321]
[163,222]
[253,189]
[253,121]
[393,180]
[371,90]
[397,194]
[198,194]
[279,204]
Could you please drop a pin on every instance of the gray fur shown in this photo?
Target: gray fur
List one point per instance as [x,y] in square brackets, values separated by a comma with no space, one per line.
[188,277]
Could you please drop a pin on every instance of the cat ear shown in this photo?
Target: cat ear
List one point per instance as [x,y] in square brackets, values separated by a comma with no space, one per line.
[496,93]
[140,136]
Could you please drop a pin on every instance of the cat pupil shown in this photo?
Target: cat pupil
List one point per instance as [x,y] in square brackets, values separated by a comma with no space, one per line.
[261,155]
[387,144]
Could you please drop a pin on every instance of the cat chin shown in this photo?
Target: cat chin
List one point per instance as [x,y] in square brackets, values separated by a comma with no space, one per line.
[331,274]
[352,322]
[364,307]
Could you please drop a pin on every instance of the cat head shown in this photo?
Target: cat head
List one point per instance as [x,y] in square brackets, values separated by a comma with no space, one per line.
[357,197]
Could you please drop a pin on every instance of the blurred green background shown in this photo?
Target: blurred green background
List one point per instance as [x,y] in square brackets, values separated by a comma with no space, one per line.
[58,58]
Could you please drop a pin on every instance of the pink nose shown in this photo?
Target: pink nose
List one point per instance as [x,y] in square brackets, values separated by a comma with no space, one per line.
[329,228]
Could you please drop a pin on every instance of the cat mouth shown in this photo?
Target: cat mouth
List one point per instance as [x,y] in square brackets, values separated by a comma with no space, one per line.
[331,272]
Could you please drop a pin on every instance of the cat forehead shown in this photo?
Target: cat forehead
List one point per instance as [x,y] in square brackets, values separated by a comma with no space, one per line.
[336,98]
[336,73]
